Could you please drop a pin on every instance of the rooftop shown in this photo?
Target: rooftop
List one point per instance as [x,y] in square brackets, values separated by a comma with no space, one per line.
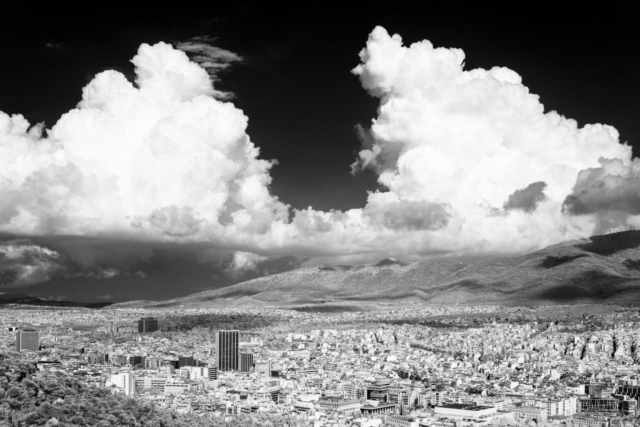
[464,406]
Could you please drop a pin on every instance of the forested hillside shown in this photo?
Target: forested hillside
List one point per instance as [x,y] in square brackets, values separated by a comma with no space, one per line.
[30,398]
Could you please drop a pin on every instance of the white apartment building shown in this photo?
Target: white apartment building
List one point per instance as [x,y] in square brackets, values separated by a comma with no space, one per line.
[124,381]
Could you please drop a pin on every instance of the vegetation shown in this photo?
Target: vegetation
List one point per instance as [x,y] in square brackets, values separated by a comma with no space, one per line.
[632,264]
[28,398]
[218,321]
[611,243]
[554,261]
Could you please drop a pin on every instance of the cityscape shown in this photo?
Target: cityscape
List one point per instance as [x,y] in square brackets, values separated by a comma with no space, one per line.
[412,366]
[305,214]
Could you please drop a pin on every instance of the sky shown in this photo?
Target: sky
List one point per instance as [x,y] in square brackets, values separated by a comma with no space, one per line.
[148,153]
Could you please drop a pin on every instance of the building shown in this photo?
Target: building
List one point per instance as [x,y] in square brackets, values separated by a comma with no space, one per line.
[246,362]
[186,361]
[175,388]
[400,421]
[378,390]
[212,373]
[153,363]
[594,405]
[339,405]
[199,373]
[593,390]
[150,382]
[147,324]
[227,353]
[462,411]
[530,413]
[137,361]
[263,367]
[380,409]
[633,391]
[27,339]
[124,381]
[563,407]
[626,405]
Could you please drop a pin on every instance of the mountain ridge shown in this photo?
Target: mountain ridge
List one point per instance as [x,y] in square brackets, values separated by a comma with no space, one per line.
[593,270]
[26,299]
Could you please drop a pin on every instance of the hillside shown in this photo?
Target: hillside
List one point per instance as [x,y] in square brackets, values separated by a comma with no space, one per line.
[598,269]
[26,299]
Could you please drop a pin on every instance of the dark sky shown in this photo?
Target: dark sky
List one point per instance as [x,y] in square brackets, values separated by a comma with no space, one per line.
[295,84]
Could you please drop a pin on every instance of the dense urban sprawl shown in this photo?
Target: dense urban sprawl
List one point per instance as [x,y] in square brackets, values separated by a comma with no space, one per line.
[437,366]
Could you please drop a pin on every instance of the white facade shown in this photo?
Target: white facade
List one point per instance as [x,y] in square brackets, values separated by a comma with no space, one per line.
[124,381]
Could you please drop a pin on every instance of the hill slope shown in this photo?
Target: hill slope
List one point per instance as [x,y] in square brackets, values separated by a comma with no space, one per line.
[26,299]
[599,269]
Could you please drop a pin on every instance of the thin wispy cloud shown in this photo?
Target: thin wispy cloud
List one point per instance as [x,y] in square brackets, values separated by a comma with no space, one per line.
[203,51]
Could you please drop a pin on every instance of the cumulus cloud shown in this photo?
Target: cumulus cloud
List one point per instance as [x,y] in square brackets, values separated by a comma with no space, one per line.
[408,215]
[610,193]
[161,161]
[23,263]
[104,297]
[474,141]
[469,162]
[612,187]
[526,199]
[242,262]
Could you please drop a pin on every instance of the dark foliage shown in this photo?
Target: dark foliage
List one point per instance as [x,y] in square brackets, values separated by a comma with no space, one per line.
[612,243]
[330,308]
[28,398]
[219,321]
[26,299]
[554,261]
[633,264]
[591,285]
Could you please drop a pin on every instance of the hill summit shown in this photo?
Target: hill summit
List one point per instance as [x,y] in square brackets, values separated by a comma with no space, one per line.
[595,270]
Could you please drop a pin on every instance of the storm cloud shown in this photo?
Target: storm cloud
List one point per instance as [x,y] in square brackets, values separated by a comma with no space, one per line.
[609,191]
[526,199]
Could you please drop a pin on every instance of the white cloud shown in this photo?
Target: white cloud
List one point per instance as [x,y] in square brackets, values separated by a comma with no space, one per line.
[243,262]
[168,162]
[104,297]
[469,140]
[210,57]
[164,161]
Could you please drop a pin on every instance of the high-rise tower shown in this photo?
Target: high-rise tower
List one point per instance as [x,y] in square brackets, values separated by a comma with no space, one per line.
[147,324]
[227,350]
[27,339]
[246,362]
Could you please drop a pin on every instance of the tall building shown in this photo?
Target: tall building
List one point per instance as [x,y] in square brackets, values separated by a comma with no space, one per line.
[27,339]
[186,361]
[263,367]
[246,362]
[137,361]
[227,353]
[212,373]
[147,324]
[124,381]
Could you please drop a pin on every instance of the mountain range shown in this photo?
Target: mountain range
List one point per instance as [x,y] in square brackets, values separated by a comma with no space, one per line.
[599,269]
[26,299]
